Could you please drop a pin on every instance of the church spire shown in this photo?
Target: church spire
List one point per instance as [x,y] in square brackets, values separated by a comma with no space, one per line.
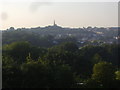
[54,23]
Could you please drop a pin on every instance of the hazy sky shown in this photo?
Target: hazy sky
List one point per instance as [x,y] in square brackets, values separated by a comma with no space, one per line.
[66,14]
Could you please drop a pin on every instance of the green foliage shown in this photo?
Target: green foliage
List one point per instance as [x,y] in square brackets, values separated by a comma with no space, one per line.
[34,75]
[96,58]
[28,58]
[63,65]
[91,83]
[62,76]
[64,53]
[17,50]
[41,74]
[11,73]
[20,50]
[69,46]
[117,75]
[103,72]
[7,61]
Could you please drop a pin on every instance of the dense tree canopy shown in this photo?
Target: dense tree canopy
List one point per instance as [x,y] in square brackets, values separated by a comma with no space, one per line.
[63,65]
[104,73]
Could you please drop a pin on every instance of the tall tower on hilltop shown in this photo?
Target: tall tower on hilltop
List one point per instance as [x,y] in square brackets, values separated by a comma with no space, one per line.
[54,23]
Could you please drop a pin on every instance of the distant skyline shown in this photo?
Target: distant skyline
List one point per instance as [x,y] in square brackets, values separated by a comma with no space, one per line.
[65,14]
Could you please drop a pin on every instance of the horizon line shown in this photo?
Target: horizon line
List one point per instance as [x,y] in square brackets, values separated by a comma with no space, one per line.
[61,26]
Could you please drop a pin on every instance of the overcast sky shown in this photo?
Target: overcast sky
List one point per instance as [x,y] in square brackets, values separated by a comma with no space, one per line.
[66,14]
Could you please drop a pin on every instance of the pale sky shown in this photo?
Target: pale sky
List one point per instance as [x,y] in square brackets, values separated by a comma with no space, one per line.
[66,14]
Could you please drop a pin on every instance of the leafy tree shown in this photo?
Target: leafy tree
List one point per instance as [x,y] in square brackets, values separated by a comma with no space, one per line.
[65,53]
[34,74]
[69,46]
[17,50]
[61,76]
[20,50]
[11,73]
[96,58]
[103,72]
[37,52]
[63,65]
[117,75]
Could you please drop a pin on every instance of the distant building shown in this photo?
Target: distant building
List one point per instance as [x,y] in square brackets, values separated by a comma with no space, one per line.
[54,23]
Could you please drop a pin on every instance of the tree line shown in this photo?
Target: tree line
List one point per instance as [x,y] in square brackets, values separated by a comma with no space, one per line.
[65,65]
